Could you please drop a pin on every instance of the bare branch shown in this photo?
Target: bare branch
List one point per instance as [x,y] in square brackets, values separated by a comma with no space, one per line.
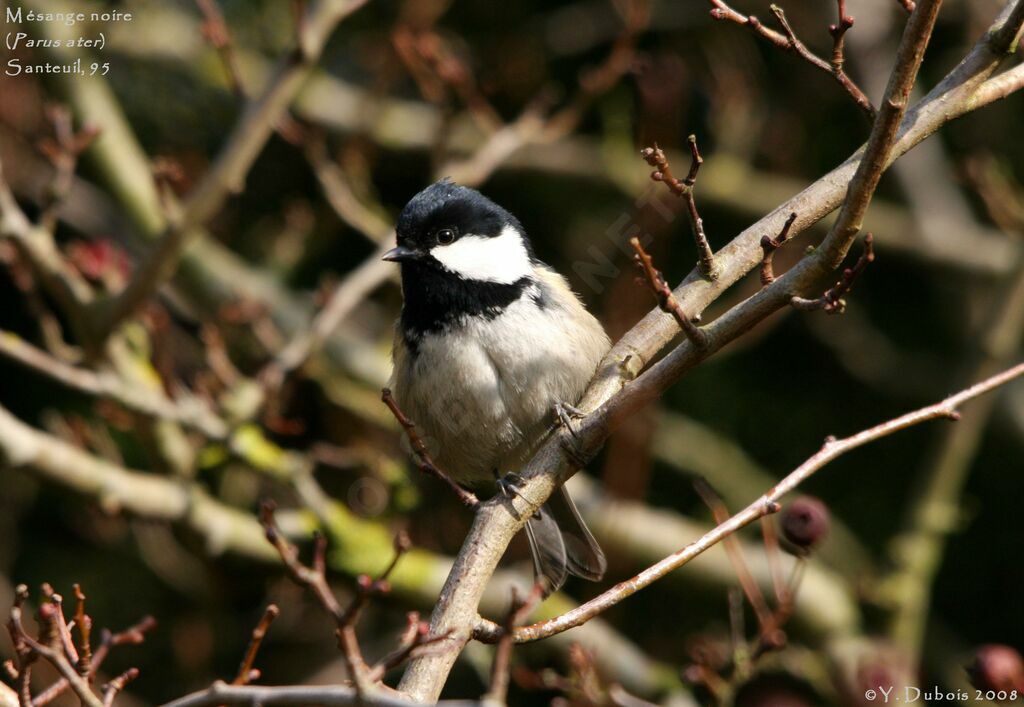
[36,246]
[46,648]
[423,459]
[84,625]
[832,301]
[769,245]
[192,412]
[215,31]
[838,32]
[130,636]
[339,194]
[329,696]
[246,672]
[346,296]
[496,523]
[766,504]
[750,589]
[517,613]
[655,157]
[663,294]
[314,578]
[227,175]
[916,550]
[788,41]
[112,688]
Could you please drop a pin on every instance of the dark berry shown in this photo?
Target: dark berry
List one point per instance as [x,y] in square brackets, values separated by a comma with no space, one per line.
[805,522]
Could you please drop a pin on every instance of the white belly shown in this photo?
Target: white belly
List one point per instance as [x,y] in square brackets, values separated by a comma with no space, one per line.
[482,394]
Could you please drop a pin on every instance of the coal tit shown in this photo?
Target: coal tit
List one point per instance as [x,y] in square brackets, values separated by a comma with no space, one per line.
[490,343]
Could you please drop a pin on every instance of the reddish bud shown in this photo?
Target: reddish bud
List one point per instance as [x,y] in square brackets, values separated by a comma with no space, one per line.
[805,522]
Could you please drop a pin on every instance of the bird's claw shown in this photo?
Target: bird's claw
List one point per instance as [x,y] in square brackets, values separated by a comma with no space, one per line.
[565,414]
[509,485]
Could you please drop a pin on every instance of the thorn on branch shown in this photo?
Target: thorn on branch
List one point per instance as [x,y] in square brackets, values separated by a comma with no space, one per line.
[832,301]
[655,157]
[424,461]
[663,293]
[769,245]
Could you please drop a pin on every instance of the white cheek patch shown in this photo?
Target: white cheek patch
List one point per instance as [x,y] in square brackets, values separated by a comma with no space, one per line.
[501,259]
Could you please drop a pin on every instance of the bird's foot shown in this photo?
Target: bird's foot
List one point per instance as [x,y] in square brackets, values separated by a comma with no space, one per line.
[508,485]
[565,414]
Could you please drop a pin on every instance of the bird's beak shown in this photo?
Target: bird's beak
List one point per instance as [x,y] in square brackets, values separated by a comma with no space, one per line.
[400,254]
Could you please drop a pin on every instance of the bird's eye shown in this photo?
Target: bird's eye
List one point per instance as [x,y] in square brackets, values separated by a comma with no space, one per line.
[446,236]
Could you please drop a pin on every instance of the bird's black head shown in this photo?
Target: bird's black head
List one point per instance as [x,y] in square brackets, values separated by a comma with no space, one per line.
[461,254]
[462,233]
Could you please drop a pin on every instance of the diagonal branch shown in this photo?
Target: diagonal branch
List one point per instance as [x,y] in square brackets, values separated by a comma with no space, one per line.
[788,41]
[765,505]
[496,523]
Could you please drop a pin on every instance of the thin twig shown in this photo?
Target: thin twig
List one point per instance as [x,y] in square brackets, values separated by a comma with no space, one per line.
[517,613]
[221,693]
[215,31]
[190,412]
[750,588]
[112,688]
[63,153]
[832,301]
[314,578]
[257,123]
[655,157]
[423,459]
[346,296]
[45,648]
[414,639]
[838,32]
[133,635]
[246,671]
[663,294]
[788,41]
[769,245]
[83,623]
[765,505]
[60,623]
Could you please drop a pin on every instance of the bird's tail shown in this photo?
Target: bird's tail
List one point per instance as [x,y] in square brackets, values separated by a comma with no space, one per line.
[562,545]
